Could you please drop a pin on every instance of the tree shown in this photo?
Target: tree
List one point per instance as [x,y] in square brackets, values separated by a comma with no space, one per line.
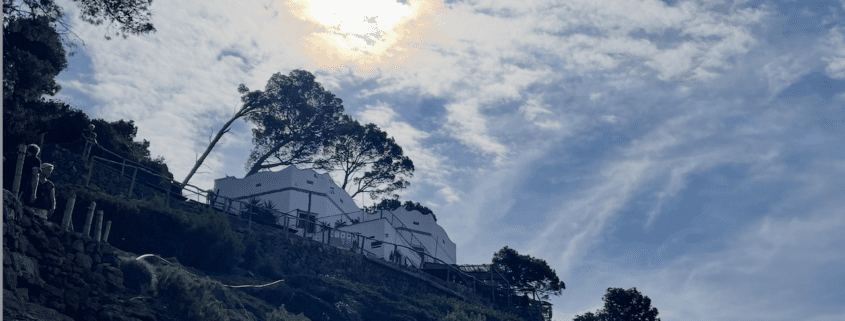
[620,304]
[259,211]
[391,204]
[294,116]
[387,204]
[526,274]
[33,54]
[129,16]
[354,148]
[248,106]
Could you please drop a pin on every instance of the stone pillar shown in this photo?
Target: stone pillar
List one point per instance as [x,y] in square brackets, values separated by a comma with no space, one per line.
[67,218]
[106,234]
[86,230]
[16,185]
[34,183]
[98,227]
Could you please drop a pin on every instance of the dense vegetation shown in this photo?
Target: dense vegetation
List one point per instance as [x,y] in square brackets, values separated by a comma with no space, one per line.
[621,304]
[528,274]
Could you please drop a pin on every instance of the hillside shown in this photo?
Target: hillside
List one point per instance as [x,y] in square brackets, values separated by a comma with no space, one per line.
[61,275]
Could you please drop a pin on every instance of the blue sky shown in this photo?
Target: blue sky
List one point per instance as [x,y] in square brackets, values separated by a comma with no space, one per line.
[690,149]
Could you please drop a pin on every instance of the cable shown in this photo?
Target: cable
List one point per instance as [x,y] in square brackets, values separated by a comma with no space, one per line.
[226,285]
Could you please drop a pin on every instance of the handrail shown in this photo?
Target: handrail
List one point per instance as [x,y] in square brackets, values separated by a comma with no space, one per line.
[214,199]
[124,158]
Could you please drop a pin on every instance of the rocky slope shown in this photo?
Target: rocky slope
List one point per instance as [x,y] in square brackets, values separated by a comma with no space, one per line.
[51,274]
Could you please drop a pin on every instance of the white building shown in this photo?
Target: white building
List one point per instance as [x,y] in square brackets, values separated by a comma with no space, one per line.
[417,235]
[293,191]
[298,192]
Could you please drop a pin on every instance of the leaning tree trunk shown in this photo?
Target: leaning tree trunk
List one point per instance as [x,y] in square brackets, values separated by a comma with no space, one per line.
[220,133]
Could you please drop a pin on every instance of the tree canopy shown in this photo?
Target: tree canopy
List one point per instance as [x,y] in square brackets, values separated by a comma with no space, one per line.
[127,16]
[620,304]
[527,274]
[355,148]
[294,116]
[390,204]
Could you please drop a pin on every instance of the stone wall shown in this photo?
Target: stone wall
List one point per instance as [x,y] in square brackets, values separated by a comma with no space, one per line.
[50,274]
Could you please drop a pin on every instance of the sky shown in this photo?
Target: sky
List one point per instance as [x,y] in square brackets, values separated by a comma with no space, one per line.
[690,149]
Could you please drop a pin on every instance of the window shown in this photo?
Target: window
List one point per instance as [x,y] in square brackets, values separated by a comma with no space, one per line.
[307,222]
[258,185]
[416,223]
[375,244]
[341,200]
[310,182]
[331,189]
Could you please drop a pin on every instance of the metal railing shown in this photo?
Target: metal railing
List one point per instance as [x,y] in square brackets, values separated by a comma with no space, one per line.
[302,223]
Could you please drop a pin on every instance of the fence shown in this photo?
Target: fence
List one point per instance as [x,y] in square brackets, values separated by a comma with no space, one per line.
[296,222]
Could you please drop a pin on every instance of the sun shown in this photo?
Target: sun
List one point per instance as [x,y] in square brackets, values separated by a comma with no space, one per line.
[366,33]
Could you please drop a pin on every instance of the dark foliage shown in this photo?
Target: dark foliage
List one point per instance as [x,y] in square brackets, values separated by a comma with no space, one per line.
[294,115]
[127,16]
[527,274]
[621,304]
[391,204]
[353,148]
[32,57]
[204,241]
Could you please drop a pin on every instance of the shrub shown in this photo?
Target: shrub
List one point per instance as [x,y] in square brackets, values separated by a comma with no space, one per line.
[138,276]
[201,240]
[281,314]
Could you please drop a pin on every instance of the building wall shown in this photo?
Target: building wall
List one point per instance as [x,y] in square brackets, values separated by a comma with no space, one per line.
[427,231]
[289,188]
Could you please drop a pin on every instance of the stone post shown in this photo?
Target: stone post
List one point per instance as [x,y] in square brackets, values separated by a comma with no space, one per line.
[86,230]
[66,219]
[106,234]
[98,227]
[34,183]
[16,186]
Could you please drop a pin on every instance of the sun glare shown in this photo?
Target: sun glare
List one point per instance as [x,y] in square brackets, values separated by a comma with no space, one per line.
[366,33]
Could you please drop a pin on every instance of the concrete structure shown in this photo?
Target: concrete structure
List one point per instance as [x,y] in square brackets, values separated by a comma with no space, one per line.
[298,192]
[293,191]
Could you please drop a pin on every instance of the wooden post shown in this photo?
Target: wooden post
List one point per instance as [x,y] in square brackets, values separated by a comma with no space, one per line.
[98,228]
[122,167]
[106,234]
[66,219]
[132,186]
[86,230]
[16,185]
[90,172]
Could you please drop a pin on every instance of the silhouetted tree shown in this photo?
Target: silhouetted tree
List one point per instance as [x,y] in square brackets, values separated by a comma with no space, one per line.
[620,304]
[247,98]
[387,204]
[294,116]
[527,274]
[129,16]
[354,148]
